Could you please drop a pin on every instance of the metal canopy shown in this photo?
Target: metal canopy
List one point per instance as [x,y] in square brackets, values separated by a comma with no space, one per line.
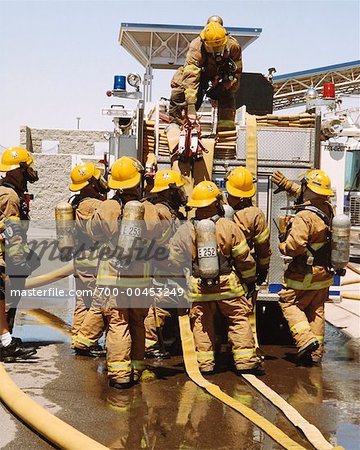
[290,88]
[165,46]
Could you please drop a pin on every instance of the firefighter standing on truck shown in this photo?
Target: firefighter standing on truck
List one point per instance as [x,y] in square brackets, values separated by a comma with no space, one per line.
[308,277]
[213,66]
[223,278]
[123,313]
[87,179]
[168,196]
[15,264]
[250,219]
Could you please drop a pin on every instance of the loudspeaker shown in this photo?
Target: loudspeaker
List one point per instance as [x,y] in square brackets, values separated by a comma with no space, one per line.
[256,93]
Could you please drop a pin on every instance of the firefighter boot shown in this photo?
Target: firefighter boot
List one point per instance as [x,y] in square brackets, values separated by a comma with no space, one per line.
[304,352]
[15,351]
[95,351]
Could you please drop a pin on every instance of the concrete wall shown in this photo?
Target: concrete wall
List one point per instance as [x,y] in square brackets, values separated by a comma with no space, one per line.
[54,169]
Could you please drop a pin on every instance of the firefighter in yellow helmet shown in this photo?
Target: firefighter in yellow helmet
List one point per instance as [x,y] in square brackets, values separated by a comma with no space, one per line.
[17,262]
[117,302]
[223,278]
[251,219]
[213,67]
[168,196]
[87,180]
[308,277]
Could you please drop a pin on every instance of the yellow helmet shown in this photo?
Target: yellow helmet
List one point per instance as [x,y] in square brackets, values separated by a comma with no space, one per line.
[125,173]
[317,181]
[81,174]
[164,178]
[214,37]
[239,183]
[13,157]
[215,18]
[204,194]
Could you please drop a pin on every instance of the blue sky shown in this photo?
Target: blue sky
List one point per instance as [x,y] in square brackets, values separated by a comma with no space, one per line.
[58,58]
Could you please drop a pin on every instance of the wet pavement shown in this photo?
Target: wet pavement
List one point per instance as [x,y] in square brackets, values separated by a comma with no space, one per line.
[171,412]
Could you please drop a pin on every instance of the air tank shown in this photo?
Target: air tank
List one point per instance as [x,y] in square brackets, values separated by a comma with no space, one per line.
[207,251]
[65,226]
[130,229]
[340,241]
[229,212]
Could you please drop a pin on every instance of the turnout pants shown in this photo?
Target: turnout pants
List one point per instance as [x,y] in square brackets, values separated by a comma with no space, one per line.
[151,337]
[125,338]
[236,311]
[226,107]
[85,285]
[304,312]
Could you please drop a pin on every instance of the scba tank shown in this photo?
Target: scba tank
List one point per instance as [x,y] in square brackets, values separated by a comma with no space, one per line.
[340,241]
[207,251]
[131,229]
[65,226]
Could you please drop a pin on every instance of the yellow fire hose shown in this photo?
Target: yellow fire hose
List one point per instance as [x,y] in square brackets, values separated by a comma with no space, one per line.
[49,277]
[49,319]
[251,158]
[353,268]
[346,283]
[312,434]
[52,428]
[193,371]
[310,431]
[351,296]
[47,425]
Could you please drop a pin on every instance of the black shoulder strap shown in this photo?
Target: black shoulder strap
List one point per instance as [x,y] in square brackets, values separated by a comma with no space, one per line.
[326,219]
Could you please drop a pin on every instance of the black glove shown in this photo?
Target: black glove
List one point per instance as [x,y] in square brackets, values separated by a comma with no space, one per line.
[261,276]
[12,229]
[282,237]
[250,289]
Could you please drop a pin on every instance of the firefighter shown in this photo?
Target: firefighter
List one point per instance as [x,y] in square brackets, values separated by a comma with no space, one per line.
[251,220]
[308,277]
[213,57]
[168,196]
[223,278]
[88,181]
[18,262]
[115,298]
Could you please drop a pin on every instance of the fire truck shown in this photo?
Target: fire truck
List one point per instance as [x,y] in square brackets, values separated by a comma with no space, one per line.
[322,136]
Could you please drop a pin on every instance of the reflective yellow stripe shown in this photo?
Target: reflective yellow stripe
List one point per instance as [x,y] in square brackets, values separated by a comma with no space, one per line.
[80,339]
[240,249]
[320,339]
[306,286]
[119,366]
[264,261]
[317,245]
[244,353]
[165,236]
[248,273]
[262,237]
[173,256]
[191,68]
[137,364]
[190,93]
[205,356]
[303,325]
[194,297]
[105,278]
[149,343]
[226,123]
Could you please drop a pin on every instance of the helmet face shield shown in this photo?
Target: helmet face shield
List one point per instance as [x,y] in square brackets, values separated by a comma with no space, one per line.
[217,50]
